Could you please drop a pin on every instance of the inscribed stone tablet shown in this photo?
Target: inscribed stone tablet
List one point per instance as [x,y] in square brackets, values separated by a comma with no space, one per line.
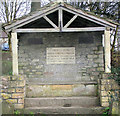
[60,55]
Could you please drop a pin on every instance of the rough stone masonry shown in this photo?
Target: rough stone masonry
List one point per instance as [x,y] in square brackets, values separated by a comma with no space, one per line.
[89,61]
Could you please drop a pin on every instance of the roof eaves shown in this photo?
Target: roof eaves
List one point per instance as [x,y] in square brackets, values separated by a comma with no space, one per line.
[93,14]
[31,13]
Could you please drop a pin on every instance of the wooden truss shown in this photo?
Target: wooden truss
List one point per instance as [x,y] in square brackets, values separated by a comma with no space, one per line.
[104,26]
[59,28]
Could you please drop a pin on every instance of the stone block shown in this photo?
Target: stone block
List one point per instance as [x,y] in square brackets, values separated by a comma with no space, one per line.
[95,73]
[11,90]
[35,60]
[21,77]
[4,90]
[17,83]
[21,83]
[105,104]
[62,87]
[20,101]
[104,99]
[95,48]
[104,93]
[100,69]
[20,90]
[89,56]
[21,71]
[98,60]
[33,70]
[18,95]
[13,78]
[39,73]
[5,95]
[100,48]
[19,106]
[101,56]
[11,100]
[101,65]
[39,67]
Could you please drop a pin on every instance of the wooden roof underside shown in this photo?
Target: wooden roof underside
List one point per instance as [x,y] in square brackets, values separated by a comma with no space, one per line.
[59,23]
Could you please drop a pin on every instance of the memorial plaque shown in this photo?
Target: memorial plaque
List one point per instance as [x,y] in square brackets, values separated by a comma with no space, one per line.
[60,55]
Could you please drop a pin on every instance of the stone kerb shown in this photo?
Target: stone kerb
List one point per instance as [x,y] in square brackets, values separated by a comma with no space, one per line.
[108,90]
[13,90]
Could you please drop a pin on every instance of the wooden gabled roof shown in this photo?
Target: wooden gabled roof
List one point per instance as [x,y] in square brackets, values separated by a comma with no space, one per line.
[48,9]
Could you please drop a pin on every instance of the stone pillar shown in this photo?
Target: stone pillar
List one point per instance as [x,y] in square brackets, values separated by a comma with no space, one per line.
[13,90]
[14,42]
[107,50]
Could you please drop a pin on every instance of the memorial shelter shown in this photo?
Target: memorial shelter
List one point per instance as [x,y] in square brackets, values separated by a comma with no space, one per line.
[61,50]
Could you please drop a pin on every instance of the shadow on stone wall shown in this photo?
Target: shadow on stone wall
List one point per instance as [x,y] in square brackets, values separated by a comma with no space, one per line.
[7,108]
[6,63]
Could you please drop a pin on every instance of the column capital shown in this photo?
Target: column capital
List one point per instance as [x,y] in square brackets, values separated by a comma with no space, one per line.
[107,28]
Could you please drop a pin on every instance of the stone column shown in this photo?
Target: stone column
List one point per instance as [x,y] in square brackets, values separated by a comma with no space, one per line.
[107,50]
[14,42]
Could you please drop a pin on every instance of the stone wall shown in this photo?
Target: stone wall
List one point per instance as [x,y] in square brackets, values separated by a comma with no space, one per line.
[89,60]
[108,90]
[13,90]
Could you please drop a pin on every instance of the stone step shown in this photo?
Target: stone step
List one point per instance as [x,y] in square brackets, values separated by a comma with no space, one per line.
[36,79]
[39,81]
[82,101]
[63,90]
[64,110]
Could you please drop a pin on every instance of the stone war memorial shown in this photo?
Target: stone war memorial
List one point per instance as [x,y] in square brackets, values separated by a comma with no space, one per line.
[58,60]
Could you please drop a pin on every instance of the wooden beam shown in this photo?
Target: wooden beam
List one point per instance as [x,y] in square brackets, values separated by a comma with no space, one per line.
[60,19]
[71,20]
[58,30]
[29,30]
[107,50]
[14,42]
[49,21]
[83,29]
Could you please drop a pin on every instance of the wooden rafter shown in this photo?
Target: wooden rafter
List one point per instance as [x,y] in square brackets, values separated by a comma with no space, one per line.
[71,20]
[49,21]
[37,30]
[63,29]
[60,19]
[83,29]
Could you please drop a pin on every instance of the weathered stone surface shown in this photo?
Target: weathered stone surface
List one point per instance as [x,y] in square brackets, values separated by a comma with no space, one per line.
[61,90]
[7,108]
[19,90]
[18,95]
[11,100]
[14,90]
[108,89]
[65,110]
[5,95]
[21,100]
[82,101]
[32,58]
[11,90]
[19,106]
